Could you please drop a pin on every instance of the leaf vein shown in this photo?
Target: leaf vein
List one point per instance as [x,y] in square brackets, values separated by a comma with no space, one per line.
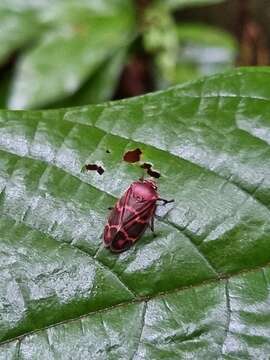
[229,313]
[141,332]
[141,299]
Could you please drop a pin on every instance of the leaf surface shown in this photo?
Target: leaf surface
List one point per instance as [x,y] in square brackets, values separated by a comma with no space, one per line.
[200,287]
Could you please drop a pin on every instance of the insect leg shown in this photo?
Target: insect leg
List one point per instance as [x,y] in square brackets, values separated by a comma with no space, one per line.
[142,177]
[159,213]
[165,202]
[152,225]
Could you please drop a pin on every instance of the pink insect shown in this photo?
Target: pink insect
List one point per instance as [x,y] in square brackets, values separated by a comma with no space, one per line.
[131,215]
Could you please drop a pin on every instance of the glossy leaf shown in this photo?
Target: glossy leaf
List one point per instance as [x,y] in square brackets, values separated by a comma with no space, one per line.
[200,288]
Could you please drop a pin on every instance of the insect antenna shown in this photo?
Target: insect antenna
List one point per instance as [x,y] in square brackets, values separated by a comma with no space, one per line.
[143,174]
[165,202]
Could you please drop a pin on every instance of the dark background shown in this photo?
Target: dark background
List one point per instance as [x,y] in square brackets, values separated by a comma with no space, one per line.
[248,21]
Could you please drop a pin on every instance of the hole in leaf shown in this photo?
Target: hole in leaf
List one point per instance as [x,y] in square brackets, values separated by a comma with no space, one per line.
[108,151]
[132,156]
[146,166]
[94,167]
[153,173]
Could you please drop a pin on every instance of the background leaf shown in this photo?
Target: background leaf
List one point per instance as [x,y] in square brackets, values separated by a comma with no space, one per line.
[186,51]
[204,50]
[173,4]
[57,53]
[67,50]
[200,287]
[101,85]
[16,30]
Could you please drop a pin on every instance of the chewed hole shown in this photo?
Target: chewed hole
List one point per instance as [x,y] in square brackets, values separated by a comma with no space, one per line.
[146,166]
[108,151]
[151,172]
[132,156]
[94,167]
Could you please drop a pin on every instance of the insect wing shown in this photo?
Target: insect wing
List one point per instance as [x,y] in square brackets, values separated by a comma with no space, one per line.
[127,221]
[135,219]
[115,219]
[112,226]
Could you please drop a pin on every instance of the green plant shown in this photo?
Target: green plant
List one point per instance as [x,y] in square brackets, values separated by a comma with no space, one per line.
[200,288]
[73,52]
[185,51]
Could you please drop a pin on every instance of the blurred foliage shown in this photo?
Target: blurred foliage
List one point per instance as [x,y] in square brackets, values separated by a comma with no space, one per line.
[68,53]
[70,43]
[177,4]
[183,52]
[203,50]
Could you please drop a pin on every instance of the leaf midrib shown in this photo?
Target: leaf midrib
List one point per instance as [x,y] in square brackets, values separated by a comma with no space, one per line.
[141,299]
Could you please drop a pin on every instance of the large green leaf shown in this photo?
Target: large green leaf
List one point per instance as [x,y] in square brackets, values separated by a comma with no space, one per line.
[200,288]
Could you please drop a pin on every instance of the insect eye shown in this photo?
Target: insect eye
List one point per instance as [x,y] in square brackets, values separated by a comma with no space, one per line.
[138,198]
